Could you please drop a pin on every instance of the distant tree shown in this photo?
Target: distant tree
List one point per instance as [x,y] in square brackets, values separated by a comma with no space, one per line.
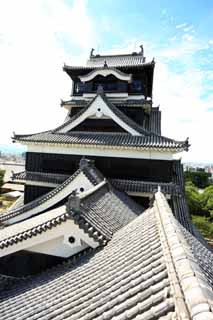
[207,201]
[199,179]
[193,199]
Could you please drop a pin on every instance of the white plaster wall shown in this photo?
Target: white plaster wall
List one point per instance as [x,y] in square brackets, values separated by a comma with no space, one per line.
[118,95]
[54,241]
[57,247]
[104,151]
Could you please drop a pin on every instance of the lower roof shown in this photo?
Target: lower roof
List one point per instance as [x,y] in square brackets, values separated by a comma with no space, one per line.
[147,271]
[104,140]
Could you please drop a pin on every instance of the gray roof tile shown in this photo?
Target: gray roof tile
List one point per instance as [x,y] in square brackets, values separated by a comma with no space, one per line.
[116,60]
[106,211]
[98,139]
[35,203]
[135,276]
[87,167]
[127,278]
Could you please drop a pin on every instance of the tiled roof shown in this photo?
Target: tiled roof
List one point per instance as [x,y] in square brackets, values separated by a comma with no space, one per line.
[116,60]
[180,207]
[6,281]
[120,103]
[88,169]
[37,202]
[100,213]
[40,176]
[97,139]
[11,240]
[103,212]
[155,121]
[148,139]
[128,185]
[147,271]
[203,254]
[111,62]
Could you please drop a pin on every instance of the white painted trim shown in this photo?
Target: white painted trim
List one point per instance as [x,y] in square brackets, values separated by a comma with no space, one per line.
[98,108]
[41,184]
[44,242]
[104,151]
[79,181]
[115,94]
[105,72]
[92,190]
[145,194]
[88,96]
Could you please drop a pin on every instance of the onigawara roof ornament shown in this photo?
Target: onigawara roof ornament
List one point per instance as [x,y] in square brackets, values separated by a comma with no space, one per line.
[142,50]
[105,64]
[91,52]
[100,90]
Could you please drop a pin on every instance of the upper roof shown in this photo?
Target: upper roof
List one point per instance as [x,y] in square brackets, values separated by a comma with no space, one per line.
[100,106]
[105,140]
[147,271]
[121,61]
[134,59]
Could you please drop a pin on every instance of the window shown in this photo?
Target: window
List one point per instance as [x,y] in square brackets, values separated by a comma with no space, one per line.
[79,87]
[137,86]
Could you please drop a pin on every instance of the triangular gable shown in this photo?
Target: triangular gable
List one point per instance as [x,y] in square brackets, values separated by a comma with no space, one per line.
[89,218]
[80,181]
[100,107]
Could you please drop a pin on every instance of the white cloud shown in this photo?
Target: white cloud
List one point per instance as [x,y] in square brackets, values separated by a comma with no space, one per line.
[37,37]
[189,28]
[184,111]
[33,44]
[182,25]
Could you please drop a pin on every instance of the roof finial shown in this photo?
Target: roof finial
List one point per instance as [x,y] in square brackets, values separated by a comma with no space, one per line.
[142,50]
[74,201]
[91,53]
[100,90]
[187,144]
[85,163]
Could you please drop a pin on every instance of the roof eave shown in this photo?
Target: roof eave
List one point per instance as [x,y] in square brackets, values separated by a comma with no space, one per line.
[175,149]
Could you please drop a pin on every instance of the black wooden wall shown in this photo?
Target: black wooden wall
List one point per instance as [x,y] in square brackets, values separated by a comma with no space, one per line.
[145,169]
[33,192]
[135,113]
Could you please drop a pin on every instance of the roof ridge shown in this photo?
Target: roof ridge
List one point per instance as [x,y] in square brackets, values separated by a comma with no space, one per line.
[190,288]
[37,202]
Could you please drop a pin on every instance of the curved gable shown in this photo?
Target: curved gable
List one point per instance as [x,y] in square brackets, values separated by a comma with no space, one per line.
[104,72]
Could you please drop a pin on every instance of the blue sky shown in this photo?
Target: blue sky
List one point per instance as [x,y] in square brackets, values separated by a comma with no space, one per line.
[37,37]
